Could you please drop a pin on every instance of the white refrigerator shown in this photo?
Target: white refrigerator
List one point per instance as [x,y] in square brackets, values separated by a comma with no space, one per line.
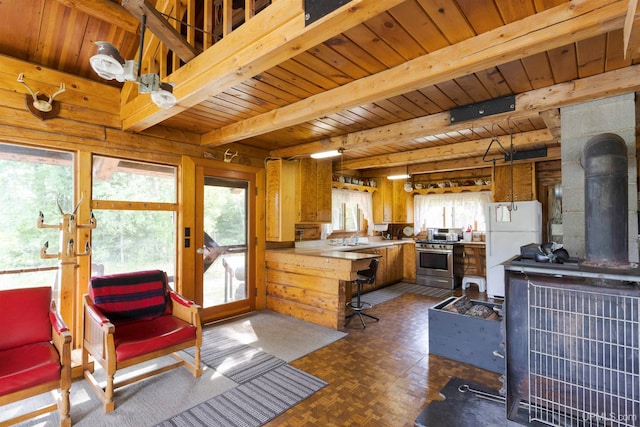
[507,230]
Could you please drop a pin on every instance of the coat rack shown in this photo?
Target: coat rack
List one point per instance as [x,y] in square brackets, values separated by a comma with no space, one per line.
[67,256]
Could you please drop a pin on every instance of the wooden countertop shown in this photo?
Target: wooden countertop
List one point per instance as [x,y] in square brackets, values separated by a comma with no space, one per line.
[327,253]
[342,251]
[461,242]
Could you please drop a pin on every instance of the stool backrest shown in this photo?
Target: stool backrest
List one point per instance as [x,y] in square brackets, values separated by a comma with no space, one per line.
[369,275]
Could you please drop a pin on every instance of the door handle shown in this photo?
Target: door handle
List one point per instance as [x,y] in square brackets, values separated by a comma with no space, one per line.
[201,250]
[496,353]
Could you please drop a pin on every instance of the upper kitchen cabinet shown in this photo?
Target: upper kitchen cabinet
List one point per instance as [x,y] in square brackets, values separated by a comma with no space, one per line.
[391,203]
[280,198]
[297,192]
[402,203]
[383,202]
[523,183]
[314,190]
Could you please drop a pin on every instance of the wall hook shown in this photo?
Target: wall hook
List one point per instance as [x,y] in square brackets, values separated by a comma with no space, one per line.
[228,156]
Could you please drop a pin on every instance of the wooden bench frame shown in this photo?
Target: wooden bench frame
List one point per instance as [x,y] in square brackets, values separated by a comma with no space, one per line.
[98,341]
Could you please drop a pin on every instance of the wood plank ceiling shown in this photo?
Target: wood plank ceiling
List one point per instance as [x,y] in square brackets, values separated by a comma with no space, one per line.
[376,78]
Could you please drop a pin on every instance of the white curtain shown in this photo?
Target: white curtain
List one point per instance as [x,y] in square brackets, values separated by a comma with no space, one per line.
[451,210]
[352,200]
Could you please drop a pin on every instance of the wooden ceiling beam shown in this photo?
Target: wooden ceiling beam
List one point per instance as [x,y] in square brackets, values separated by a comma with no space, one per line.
[528,105]
[479,146]
[555,27]
[437,166]
[273,36]
[551,119]
[107,11]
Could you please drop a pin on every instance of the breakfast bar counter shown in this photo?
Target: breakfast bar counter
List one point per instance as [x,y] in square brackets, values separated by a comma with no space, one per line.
[313,284]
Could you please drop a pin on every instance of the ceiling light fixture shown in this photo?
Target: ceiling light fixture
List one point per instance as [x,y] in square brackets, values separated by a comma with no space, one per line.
[394,177]
[327,154]
[109,65]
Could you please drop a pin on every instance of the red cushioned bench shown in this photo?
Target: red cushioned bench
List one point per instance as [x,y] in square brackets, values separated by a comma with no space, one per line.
[35,352]
[131,318]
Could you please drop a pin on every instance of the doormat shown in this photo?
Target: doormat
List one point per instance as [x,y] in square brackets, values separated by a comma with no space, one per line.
[253,403]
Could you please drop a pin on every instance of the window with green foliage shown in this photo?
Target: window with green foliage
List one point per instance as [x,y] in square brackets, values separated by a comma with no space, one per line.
[33,180]
[137,228]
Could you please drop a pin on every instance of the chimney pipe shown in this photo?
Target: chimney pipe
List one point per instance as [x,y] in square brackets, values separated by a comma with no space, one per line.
[606,200]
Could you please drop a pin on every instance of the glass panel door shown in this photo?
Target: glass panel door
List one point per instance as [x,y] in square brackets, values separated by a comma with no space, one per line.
[224,260]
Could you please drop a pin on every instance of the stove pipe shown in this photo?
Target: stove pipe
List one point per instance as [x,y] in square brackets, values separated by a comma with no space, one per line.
[606,200]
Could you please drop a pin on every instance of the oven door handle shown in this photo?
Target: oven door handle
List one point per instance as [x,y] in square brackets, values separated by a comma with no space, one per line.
[436,251]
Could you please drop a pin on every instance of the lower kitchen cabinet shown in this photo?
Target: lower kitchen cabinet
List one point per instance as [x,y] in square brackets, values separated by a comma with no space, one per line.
[381,275]
[471,261]
[409,262]
[394,264]
[390,265]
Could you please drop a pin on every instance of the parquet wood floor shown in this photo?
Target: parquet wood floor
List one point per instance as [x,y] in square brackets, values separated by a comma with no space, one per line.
[382,375]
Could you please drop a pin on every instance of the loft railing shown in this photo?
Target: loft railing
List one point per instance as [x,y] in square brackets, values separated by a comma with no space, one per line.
[202,23]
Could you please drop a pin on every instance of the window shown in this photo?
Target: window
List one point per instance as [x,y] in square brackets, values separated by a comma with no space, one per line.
[34,180]
[134,204]
[347,209]
[451,210]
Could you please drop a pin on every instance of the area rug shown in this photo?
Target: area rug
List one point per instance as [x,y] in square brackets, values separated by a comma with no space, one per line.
[282,336]
[385,294]
[237,361]
[253,403]
[267,385]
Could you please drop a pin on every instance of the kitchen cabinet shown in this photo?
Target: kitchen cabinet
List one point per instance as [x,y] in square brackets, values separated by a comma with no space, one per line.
[280,197]
[391,204]
[390,265]
[409,261]
[402,210]
[314,190]
[381,275]
[304,184]
[383,201]
[523,183]
[394,264]
[471,261]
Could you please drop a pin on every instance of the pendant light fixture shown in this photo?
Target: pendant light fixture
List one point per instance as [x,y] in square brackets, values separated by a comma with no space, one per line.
[109,65]
[408,185]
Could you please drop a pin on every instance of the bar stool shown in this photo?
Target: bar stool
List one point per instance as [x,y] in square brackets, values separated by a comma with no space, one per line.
[365,277]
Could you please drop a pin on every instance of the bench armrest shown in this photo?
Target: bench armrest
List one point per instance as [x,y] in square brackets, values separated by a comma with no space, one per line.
[98,331]
[61,339]
[184,309]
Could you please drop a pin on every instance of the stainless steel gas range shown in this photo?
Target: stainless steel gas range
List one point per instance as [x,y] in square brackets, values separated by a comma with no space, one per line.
[435,263]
